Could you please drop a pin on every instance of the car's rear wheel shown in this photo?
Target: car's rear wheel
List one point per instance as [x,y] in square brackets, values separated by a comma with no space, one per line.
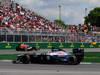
[71,61]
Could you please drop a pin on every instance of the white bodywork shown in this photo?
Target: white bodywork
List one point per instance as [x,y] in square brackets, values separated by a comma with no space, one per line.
[59,53]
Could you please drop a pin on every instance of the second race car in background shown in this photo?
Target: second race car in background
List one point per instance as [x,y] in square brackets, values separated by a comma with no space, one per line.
[25,47]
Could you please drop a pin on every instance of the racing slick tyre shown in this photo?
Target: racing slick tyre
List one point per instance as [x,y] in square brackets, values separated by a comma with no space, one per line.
[19,49]
[76,63]
[71,61]
[25,59]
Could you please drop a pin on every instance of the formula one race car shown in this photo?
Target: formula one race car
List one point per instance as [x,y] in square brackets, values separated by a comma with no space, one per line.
[25,47]
[53,56]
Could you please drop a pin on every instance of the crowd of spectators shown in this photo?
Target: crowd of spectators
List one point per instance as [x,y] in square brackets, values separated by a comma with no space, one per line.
[81,28]
[19,18]
[81,33]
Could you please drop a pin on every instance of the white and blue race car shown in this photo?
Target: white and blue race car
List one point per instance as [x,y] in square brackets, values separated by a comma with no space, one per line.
[52,56]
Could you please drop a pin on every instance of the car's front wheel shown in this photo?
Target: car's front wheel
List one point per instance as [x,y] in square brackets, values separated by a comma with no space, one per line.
[25,59]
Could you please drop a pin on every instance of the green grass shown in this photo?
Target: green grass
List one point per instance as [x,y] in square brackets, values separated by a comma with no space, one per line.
[89,57]
[92,57]
[7,56]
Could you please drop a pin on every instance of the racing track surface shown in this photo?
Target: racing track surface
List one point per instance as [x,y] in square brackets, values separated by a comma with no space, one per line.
[7,68]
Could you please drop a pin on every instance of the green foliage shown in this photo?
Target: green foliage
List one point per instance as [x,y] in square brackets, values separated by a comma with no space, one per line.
[60,22]
[93,17]
[8,56]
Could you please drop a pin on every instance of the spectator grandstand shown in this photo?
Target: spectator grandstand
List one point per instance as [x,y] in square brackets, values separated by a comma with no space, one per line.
[19,19]
[18,24]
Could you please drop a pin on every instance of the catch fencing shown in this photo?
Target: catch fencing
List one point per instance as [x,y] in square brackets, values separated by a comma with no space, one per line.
[47,36]
[48,39]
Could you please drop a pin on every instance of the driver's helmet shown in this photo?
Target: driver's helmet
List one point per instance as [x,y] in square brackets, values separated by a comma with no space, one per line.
[23,46]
